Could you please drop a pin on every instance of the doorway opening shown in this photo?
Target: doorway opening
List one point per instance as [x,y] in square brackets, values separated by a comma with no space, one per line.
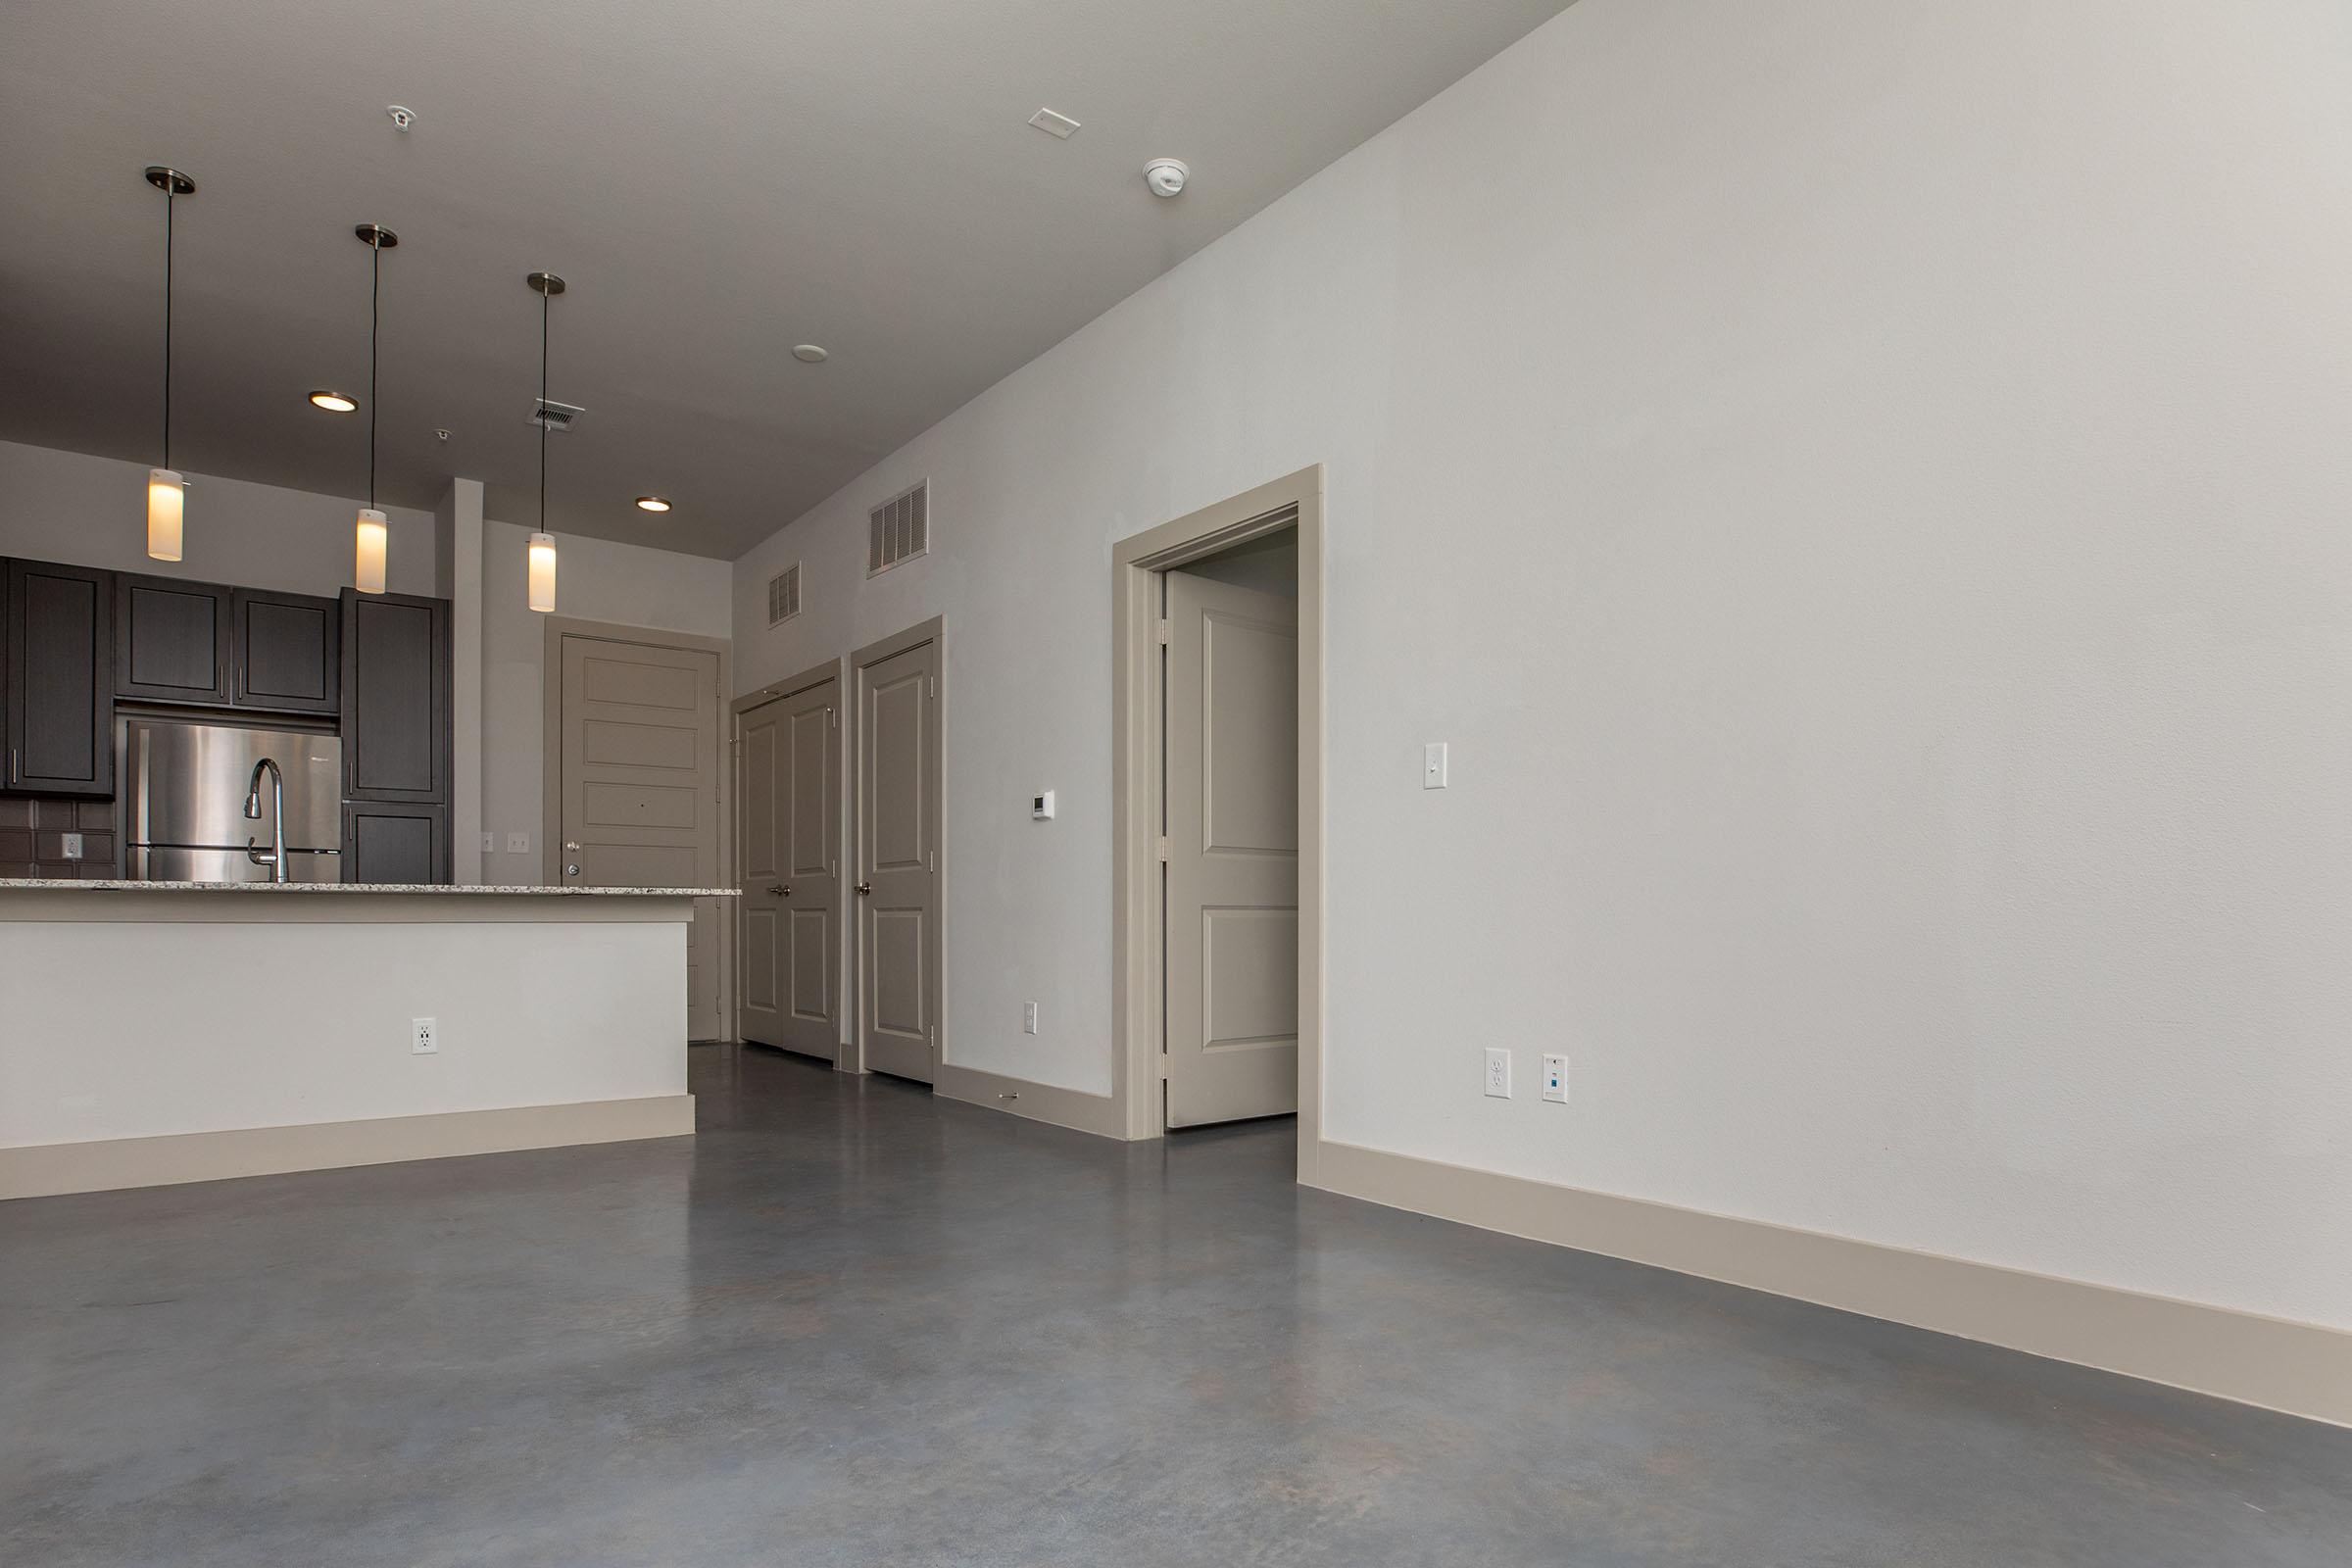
[1217,779]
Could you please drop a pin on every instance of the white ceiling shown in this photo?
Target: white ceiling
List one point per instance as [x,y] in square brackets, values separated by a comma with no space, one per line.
[717,180]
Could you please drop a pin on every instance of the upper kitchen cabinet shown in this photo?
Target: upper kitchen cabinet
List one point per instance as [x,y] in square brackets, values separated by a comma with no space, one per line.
[172,640]
[289,652]
[59,703]
[396,734]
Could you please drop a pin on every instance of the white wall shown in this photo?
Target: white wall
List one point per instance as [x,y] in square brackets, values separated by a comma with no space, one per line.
[1864,491]
[92,512]
[596,580]
[530,1011]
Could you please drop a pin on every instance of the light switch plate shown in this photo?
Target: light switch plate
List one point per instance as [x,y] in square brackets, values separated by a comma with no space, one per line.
[518,844]
[1433,765]
[489,843]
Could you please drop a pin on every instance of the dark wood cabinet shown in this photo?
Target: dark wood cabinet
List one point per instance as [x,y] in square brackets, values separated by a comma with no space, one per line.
[172,640]
[395,699]
[59,702]
[289,653]
[391,840]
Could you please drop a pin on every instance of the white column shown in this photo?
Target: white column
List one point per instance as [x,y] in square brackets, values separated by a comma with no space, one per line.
[458,528]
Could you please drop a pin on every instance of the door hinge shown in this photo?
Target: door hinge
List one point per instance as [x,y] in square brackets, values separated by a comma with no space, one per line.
[832,716]
[1163,634]
[1163,846]
[935,688]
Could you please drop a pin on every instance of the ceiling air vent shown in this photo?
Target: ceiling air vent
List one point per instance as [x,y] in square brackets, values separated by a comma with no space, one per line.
[557,417]
[784,595]
[899,529]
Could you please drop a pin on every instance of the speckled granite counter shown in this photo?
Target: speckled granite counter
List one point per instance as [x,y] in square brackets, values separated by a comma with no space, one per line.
[18,884]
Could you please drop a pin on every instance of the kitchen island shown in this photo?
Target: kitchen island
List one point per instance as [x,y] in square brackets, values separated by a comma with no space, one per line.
[155,1032]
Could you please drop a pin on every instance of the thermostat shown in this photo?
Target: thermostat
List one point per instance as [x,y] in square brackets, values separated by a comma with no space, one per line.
[1041,807]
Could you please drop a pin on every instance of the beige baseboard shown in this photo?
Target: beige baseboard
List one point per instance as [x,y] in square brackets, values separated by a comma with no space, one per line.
[2304,1369]
[1064,1107]
[43,1170]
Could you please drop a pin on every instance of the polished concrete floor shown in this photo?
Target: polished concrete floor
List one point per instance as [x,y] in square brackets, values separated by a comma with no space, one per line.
[853,1325]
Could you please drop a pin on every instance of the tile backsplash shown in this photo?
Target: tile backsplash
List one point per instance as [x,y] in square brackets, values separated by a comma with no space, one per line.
[32,837]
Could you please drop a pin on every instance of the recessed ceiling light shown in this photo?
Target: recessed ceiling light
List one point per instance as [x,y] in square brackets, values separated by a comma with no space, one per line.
[333,402]
[1053,124]
[809,353]
[651,504]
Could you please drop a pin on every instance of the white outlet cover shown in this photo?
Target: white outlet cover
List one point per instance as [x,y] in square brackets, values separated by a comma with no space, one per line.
[72,846]
[1498,1073]
[518,844]
[1555,1079]
[425,1037]
[1029,1017]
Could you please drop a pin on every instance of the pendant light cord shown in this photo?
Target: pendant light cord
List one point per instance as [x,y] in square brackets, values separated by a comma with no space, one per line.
[169,197]
[543,303]
[375,291]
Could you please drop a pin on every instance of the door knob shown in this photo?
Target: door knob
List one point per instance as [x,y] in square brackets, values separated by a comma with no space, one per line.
[573,869]
[865,889]
[781,889]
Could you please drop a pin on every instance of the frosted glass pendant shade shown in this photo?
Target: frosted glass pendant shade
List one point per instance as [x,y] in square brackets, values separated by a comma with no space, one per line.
[543,572]
[370,543]
[166,492]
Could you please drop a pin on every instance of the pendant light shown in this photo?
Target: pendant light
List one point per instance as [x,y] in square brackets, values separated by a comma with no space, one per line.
[542,549]
[166,491]
[370,542]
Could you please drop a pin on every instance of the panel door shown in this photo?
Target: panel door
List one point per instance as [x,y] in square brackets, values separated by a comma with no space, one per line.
[1232,889]
[640,787]
[60,704]
[289,652]
[790,787]
[898,822]
[172,640]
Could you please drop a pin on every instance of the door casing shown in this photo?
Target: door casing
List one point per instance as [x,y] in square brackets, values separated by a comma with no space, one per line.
[814,675]
[1139,730]
[551,769]
[935,632]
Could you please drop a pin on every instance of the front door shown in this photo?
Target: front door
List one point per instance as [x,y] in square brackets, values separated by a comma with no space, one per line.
[898,822]
[790,787]
[1233,851]
[639,786]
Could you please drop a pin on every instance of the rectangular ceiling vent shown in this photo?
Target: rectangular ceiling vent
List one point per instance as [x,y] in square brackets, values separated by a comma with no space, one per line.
[557,416]
[784,595]
[899,529]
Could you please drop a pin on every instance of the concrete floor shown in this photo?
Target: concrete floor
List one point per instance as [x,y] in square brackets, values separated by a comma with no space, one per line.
[853,1325]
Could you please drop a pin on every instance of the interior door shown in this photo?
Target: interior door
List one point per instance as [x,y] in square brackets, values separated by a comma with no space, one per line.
[898,824]
[640,786]
[790,787]
[1232,910]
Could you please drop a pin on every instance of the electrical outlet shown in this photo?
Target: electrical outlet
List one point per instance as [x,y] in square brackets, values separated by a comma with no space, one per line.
[72,846]
[1555,1080]
[1498,1073]
[425,1037]
[1028,1017]
[518,844]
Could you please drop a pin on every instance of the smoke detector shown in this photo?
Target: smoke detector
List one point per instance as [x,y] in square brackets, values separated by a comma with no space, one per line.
[402,116]
[1166,175]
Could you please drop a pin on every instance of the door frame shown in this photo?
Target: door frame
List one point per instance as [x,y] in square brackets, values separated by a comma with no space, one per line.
[551,768]
[861,660]
[832,670]
[1138,729]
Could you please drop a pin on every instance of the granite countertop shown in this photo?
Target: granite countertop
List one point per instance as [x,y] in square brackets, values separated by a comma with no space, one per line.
[70,885]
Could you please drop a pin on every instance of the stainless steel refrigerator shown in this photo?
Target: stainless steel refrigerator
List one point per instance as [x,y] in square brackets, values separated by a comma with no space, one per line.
[184,787]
